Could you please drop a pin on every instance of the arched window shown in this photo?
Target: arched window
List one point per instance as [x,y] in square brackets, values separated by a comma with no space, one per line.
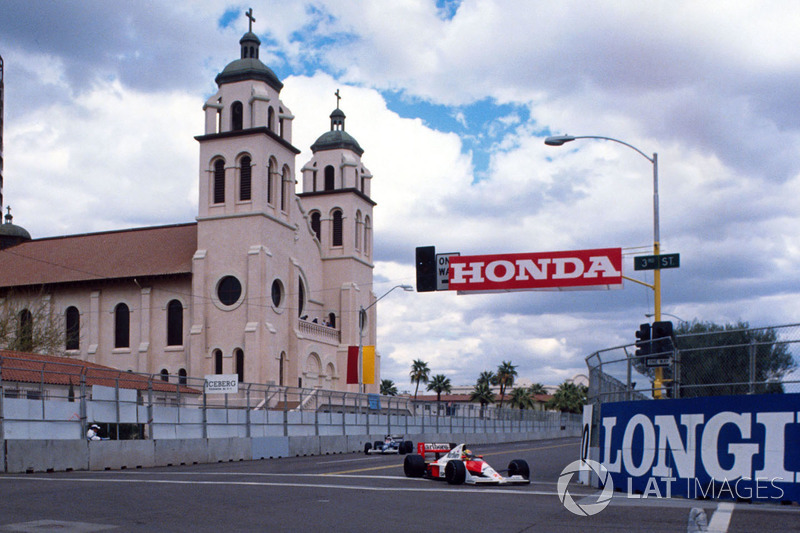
[329,181]
[316,225]
[122,326]
[281,364]
[367,234]
[182,376]
[164,375]
[332,320]
[301,296]
[237,116]
[174,323]
[239,355]
[337,228]
[271,119]
[25,331]
[270,173]
[218,361]
[245,174]
[219,181]
[358,230]
[284,189]
[72,321]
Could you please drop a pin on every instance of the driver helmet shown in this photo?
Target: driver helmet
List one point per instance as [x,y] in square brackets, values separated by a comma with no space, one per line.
[95,426]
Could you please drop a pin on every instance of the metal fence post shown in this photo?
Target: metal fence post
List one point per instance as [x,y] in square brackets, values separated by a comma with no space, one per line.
[247,413]
[83,405]
[116,405]
[150,407]
[2,393]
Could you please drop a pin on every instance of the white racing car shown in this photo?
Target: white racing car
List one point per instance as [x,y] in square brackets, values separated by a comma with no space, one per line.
[392,444]
[457,465]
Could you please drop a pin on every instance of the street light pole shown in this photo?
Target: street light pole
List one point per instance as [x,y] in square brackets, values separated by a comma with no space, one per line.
[362,319]
[559,140]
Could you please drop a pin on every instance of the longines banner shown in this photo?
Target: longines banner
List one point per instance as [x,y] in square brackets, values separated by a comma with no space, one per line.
[579,269]
[726,447]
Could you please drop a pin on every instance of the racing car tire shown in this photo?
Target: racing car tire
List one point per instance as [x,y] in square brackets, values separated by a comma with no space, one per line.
[414,465]
[409,446]
[367,447]
[519,467]
[378,445]
[455,472]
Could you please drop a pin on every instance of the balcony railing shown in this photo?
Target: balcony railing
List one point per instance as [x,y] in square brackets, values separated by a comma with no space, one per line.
[319,332]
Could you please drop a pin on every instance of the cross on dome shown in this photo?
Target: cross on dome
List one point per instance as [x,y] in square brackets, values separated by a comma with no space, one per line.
[250,16]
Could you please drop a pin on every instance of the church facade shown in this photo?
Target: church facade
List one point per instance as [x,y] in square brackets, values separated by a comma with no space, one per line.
[267,283]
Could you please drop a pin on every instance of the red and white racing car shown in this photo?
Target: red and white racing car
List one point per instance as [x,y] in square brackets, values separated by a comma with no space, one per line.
[457,465]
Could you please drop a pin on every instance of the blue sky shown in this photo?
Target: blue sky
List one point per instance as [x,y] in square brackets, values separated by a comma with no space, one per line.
[451,102]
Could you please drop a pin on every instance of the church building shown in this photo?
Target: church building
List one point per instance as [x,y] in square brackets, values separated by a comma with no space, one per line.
[267,283]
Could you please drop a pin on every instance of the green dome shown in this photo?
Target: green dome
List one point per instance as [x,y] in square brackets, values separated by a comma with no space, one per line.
[332,140]
[248,66]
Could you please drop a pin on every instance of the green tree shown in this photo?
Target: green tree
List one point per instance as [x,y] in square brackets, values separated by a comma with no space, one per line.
[419,374]
[482,393]
[569,398]
[730,359]
[388,387]
[506,372]
[521,397]
[488,377]
[537,388]
[439,384]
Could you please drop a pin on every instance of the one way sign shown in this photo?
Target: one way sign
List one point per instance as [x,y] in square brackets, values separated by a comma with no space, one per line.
[443,271]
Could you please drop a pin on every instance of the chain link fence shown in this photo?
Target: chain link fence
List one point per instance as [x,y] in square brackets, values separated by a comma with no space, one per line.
[712,363]
[45,399]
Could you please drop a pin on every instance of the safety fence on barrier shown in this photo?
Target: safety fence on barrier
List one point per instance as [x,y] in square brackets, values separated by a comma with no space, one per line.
[708,363]
[47,400]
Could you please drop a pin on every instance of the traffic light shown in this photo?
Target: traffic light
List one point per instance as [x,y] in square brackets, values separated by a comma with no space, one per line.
[662,337]
[426,268]
[643,340]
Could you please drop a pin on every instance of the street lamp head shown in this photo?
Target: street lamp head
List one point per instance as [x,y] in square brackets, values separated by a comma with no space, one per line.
[558,140]
[407,288]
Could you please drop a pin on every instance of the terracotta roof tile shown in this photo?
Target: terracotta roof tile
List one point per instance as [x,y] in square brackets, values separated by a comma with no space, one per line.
[37,368]
[155,251]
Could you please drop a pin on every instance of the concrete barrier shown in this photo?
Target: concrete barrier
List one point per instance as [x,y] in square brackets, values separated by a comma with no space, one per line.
[269,447]
[60,455]
[45,455]
[173,452]
[120,454]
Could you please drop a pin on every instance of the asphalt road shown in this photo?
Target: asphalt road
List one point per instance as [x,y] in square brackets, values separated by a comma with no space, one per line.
[349,493]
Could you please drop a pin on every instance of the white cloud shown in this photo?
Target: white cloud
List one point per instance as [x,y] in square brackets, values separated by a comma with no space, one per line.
[92,132]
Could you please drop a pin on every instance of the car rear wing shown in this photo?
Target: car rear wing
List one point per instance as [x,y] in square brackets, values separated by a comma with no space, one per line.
[433,447]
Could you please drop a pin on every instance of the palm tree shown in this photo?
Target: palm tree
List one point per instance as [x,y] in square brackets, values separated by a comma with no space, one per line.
[439,384]
[488,377]
[520,397]
[569,398]
[505,377]
[537,388]
[388,387]
[419,373]
[482,393]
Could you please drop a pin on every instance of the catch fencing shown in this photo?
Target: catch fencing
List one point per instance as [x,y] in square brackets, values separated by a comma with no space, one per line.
[727,362]
[61,403]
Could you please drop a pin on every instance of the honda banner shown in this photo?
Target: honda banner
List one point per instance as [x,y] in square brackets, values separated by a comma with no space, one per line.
[580,269]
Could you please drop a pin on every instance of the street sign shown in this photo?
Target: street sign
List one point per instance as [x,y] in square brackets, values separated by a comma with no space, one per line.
[656,262]
[443,271]
[654,362]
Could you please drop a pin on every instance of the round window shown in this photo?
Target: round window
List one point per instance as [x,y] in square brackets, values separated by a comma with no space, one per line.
[229,290]
[277,293]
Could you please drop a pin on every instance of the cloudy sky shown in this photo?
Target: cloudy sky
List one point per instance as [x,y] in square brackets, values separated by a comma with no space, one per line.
[451,101]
